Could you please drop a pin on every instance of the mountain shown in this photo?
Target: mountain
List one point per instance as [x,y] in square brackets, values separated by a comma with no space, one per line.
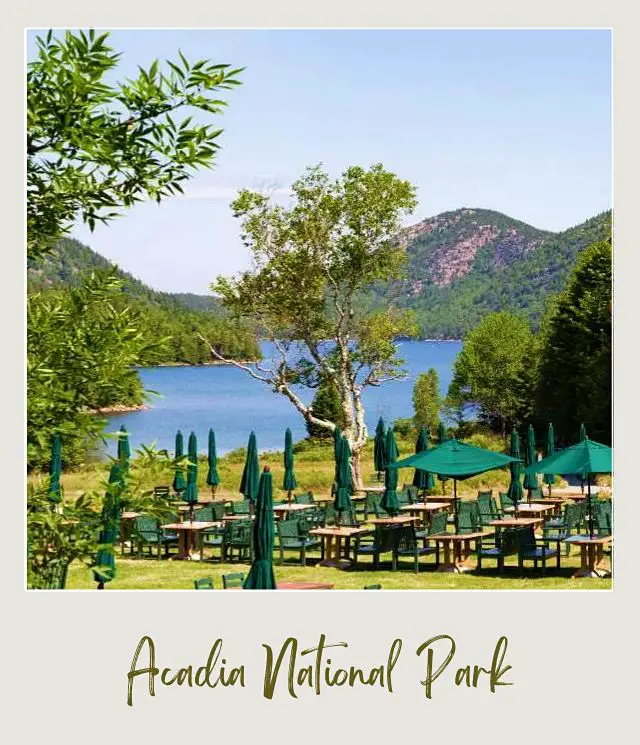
[464,264]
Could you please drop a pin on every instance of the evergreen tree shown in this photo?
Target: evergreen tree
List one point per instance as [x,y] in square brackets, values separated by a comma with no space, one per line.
[325,405]
[427,400]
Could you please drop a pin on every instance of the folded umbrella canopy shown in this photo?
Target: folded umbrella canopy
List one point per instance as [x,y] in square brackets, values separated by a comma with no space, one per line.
[251,472]
[586,457]
[582,436]
[105,569]
[379,448]
[179,484]
[261,575]
[530,479]
[289,482]
[342,500]
[124,449]
[55,470]
[550,449]
[514,492]
[456,460]
[423,479]
[190,494]
[213,479]
[442,438]
[389,501]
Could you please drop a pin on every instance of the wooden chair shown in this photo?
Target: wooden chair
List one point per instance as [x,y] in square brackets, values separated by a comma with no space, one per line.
[508,544]
[373,587]
[147,533]
[234,579]
[293,537]
[304,498]
[408,544]
[383,541]
[237,536]
[532,549]
[205,583]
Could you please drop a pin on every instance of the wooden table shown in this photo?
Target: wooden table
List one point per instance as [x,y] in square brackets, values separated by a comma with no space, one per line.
[533,509]
[126,518]
[247,516]
[425,509]
[591,555]
[281,510]
[397,520]
[304,586]
[448,498]
[555,502]
[457,549]
[186,531]
[332,539]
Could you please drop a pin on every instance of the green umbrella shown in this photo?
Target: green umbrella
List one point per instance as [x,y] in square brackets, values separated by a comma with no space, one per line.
[337,446]
[191,492]
[251,472]
[514,492]
[261,575]
[378,448]
[105,569]
[423,479]
[124,449]
[586,457]
[530,457]
[455,460]
[213,479]
[289,482]
[389,501]
[582,436]
[342,499]
[55,470]
[179,484]
[442,438]
[548,477]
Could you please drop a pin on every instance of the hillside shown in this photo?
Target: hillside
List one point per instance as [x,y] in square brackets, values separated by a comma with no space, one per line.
[465,264]
[176,316]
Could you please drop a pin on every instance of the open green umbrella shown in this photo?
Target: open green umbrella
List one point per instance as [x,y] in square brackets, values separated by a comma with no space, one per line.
[530,457]
[456,460]
[251,473]
[261,575]
[514,492]
[191,492]
[213,479]
[586,457]
[423,479]
[179,484]
[342,500]
[379,448]
[389,501]
[442,438]
[289,482]
[548,478]
[55,470]
[105,569]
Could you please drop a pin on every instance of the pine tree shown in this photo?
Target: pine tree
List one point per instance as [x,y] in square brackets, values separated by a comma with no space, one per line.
[426,400]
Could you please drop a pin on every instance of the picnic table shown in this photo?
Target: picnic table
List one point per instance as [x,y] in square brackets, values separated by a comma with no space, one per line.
[281,510]
[424,509]
[186,531]
[332,539]
[591,554]
[457,549]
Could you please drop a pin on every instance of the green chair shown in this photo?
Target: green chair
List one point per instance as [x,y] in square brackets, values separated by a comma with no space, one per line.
[507,504]
[536,494]
[234,579]
[205,583]
[237,536]
[147,533]
[603,517]
[162,492]
[204,514]
[383,541]
[293,536]
[241,507]
[506,544]
[408,544]
[304,498]
[51,577]
[487,508]
[370,505]
[468,517]
[558,528]
[437,526]
[532,549]
[373,587]
[411,493]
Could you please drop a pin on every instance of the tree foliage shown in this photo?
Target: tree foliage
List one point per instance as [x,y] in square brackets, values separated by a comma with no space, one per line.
[311,259]
[576,340]
[427,400]
[494,369]
[93,148]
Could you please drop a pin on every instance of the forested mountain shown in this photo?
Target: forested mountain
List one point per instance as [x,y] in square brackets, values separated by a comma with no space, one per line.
[465,264]
[178,316]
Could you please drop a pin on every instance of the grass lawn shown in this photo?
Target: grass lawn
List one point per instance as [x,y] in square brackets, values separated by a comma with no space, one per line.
[151,574]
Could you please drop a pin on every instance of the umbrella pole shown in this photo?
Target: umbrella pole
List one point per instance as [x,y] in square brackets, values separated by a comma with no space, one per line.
[289,496]
[590,506]
[455,504]
[100,585]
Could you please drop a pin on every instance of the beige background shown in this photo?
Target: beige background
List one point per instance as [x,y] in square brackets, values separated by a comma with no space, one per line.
[573,654]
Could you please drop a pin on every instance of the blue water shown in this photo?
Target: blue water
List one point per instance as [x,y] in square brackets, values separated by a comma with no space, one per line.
[227,399]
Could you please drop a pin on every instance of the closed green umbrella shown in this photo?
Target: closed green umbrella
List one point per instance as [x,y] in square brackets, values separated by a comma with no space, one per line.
[342,500]
[55,470]
[442,438]
[337,447]
[289,482]
[582,437]
[213,479]
[379,448]
[389,501]
[548,478]
[124,449]
[514,492]
[456,460]
[530,457]
[179,484]
[423,479]
[251,472]
[261,575]
[586,457]
[105,569]
[191,492]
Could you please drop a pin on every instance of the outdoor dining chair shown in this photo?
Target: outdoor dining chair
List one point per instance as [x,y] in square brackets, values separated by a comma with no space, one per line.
[234,579]
[204,583]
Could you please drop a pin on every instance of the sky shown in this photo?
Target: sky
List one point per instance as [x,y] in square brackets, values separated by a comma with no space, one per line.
[515,121]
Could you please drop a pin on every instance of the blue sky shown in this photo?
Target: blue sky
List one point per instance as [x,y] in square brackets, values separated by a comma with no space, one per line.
[516,121]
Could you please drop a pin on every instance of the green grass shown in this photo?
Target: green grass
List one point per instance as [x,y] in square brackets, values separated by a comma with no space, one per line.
[151,574]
